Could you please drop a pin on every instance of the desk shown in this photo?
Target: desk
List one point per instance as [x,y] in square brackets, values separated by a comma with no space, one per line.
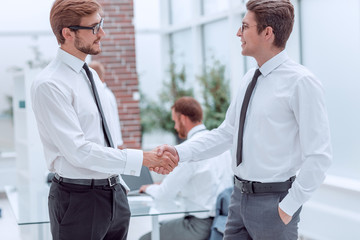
[29,203]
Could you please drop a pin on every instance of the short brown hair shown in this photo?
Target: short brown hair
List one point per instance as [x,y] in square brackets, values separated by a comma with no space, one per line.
[189,107]
[66,13]
[278,14]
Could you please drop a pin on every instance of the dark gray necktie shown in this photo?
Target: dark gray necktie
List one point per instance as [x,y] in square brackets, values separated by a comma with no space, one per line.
[98,104]
[244,107]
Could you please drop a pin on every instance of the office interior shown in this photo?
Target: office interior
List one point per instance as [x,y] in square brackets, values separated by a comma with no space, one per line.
[193,34]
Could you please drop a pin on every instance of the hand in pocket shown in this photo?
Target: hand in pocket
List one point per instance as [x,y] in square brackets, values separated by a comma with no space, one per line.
[284,217]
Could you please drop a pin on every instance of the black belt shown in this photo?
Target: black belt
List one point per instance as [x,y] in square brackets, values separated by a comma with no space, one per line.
[258,187]
[110,181]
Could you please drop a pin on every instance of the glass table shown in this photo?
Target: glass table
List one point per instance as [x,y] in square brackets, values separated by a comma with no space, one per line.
[29,203]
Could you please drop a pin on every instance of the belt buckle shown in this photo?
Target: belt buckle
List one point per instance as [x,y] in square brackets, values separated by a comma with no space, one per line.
[112,180]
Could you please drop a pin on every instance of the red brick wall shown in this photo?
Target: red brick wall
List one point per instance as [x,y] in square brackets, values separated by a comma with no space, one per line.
[118,57]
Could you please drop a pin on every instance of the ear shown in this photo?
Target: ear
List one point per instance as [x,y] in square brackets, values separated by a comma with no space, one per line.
[184,119]
[268,31]
[68,34]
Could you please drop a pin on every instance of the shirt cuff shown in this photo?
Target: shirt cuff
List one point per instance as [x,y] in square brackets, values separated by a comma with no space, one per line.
[120,143]
[289,205]
[122,182]
[134,161]
[183,152]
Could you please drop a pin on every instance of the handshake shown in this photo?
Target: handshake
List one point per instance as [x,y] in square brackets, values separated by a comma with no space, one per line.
[162,159]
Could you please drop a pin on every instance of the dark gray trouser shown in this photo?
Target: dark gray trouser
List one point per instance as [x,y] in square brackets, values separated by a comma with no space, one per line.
[187,228]
[256,216]
[86,213]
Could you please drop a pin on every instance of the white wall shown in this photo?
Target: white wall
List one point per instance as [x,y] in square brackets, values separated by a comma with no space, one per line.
[331,49]
[333,213]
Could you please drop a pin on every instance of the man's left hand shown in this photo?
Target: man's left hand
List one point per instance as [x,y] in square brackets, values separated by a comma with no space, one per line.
[284,217]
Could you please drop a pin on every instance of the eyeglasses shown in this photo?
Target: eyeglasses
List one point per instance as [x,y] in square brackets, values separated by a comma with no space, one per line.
[244,26]
[95,28]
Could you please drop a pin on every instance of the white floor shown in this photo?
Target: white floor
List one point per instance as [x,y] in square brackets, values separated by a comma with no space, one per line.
[9,230]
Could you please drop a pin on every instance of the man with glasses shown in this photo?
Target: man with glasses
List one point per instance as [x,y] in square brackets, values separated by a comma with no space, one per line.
[277,127]
[87,198]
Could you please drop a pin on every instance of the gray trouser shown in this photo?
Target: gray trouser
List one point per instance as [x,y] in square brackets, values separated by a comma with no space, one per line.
[187,228]
[256,216]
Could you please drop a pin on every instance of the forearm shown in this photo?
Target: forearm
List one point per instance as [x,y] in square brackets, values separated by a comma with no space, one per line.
[208,145]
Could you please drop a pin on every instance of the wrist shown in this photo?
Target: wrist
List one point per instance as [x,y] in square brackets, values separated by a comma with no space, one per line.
[145,159]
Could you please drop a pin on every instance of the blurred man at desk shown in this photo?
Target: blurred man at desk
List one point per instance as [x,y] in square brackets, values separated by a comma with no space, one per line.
[200,183]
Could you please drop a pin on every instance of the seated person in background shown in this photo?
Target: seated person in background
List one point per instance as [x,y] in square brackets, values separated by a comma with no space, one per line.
[198,182]
[100,70]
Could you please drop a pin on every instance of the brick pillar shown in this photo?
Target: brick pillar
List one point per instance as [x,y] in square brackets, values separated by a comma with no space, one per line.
[118,57]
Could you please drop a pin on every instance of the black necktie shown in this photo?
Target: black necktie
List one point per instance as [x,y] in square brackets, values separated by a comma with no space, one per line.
[244,107]
[98,104]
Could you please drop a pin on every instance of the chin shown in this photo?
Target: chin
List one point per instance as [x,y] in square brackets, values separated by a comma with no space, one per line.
[244,53]
[95,52]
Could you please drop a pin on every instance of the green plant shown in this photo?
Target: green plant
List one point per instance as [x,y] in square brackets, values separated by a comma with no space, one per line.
[216,94]
[39,61]
[157,114]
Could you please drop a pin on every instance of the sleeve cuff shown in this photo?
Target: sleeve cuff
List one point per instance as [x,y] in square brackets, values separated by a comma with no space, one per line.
[134,161]
[184,155]
[289,205]
[120,142]
[122,182]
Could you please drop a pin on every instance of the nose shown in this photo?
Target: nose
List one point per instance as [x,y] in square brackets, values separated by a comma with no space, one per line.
[101,32]
[239,32]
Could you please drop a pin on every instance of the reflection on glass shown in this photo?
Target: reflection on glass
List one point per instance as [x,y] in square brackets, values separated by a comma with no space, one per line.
[214,6]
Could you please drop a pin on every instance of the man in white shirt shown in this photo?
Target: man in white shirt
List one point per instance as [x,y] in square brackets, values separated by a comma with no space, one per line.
[100,70]
[277,129]
[199,182]
[87,198]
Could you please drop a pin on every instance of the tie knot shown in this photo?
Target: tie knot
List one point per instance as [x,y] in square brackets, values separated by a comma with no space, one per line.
[256,74]
[86,67]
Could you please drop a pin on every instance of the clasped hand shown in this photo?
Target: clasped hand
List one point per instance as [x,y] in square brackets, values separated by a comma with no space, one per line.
[162,159]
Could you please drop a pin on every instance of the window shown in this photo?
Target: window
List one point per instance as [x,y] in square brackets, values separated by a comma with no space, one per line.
[180,11]
[214,6]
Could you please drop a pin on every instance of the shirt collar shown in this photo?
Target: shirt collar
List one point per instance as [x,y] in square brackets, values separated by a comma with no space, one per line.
[273,63]
[195,129]
[73,62]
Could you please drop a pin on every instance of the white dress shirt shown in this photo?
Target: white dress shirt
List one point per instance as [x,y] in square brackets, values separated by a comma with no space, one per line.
[70,127]
[200,182]
[286,131]
[115,115]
